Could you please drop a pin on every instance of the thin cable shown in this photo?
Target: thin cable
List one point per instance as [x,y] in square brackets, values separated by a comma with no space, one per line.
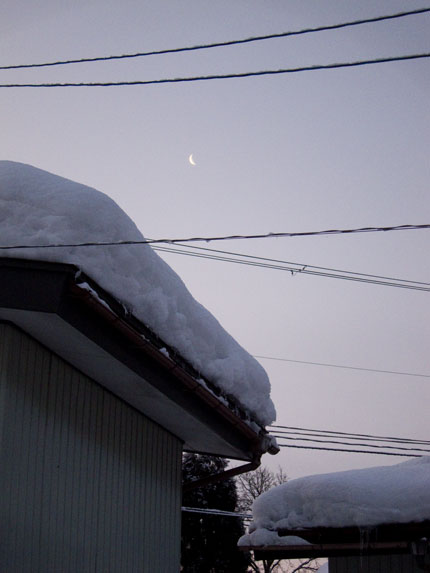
[340,366]
[347,434]
[377,446]
[222,76]
[286,433]
[350,451]
[223,237]
[225,43]
[221,44]
[217,512]
[307,270]
[264,262]
[299,266]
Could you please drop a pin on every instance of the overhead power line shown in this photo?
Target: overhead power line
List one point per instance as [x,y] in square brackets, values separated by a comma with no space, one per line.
[385,445]
[405,441]
[223,237]
[350,451]
[348,434]
[311,68]
[342,366]
[262,262]
[365,445]
[219,512]
[293,268]
[221,44]
[327,437]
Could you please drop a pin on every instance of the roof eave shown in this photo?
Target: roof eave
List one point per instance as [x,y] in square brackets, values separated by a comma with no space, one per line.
[29,288]
[394,538]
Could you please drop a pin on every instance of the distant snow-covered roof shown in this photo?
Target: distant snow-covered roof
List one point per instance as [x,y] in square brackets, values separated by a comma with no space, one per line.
[367,497]
[39,208]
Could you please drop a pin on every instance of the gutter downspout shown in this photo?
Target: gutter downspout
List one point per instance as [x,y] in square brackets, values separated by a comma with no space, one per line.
[251,466]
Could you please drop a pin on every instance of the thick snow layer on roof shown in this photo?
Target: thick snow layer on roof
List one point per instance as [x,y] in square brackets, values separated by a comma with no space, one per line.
[38,208]
[373,496]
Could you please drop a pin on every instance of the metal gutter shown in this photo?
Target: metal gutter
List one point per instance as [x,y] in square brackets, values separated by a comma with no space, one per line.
[260,442]
[214,478]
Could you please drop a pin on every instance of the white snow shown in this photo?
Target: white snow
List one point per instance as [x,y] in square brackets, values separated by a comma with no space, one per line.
[88,288]
[265,538]
[37,208]
[373,496]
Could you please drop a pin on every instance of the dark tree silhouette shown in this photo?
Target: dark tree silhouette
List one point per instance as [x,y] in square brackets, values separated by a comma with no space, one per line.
[250,486]
[209,542]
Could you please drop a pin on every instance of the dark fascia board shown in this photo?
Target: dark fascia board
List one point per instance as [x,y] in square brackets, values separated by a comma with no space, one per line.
[330,550]
[53,288]
[393,538]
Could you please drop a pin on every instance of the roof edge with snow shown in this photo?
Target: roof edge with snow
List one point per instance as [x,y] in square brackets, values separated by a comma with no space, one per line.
[392,538]
[78,320]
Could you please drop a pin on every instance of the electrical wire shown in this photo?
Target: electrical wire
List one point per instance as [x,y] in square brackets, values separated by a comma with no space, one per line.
[225,237]
[349,451]
[398,373]
[299,267]
[221,44]
[219,512]
[286,433]
[312,68]
[276,264]
[365,445]
[346,434]
[265,262]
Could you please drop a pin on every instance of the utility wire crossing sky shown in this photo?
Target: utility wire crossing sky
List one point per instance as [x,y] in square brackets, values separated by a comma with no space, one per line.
[312,68]
[222,44]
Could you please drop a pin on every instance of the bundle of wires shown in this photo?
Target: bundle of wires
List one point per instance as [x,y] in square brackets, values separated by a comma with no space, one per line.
[327,440]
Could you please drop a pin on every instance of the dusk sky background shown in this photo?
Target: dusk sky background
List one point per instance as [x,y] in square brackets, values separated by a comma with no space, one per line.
[310,151]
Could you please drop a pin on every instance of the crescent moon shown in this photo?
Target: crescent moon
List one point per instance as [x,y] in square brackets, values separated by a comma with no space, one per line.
[191,160]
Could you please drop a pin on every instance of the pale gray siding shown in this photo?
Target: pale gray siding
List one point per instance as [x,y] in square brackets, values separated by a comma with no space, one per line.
[86,482]
[374,564]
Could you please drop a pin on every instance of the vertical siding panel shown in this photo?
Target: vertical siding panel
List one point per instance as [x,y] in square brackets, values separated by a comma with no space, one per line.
[145,493]
[54,405]
[99,476]
[4,482]
[140,509]
[88,484]
[85,466]
[20,500]
[132,494]
[127,469]
[41,364]
[8,403]
[102,501]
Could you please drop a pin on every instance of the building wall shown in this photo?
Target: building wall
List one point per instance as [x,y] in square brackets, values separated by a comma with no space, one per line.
[374,564]
[86,482]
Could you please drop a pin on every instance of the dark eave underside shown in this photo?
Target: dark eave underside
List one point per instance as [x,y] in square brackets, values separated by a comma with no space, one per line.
[396,538]
[93,332]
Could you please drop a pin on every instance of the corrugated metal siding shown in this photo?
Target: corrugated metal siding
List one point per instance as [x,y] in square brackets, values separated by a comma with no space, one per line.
[86,482]
[374,564]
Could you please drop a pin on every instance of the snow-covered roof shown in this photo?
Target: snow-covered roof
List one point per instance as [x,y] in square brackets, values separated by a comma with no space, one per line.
[39,208]
[363,498]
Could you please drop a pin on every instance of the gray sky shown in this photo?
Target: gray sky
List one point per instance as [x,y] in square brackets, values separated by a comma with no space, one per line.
[311,151]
